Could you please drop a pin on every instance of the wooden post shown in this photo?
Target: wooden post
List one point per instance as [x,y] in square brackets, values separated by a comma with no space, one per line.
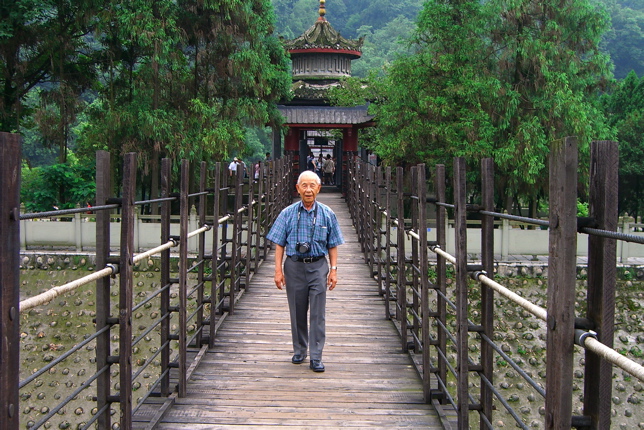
[415,261]
[421,188]
[388,265]
[183,276]
[259,217]
[487,294]
[225,240]
[249,232]
[562,272]
[378,229]
[441,274]
[214,260]
[235,261]
[103,304]
[462,364]
[126,290]
[201,254]
[10,159]
[401,306]
[604,163]
[166,189]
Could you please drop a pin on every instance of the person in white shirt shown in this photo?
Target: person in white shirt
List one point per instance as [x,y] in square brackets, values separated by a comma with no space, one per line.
[232,167]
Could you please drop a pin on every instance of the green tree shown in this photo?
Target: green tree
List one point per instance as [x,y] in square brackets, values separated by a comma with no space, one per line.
[625,110]
[429,106]
[40,188]
[184,79]
[551,69]
[42,42]
[495,79]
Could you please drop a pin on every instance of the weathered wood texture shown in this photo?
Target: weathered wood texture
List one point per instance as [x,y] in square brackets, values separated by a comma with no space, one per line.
[247,379]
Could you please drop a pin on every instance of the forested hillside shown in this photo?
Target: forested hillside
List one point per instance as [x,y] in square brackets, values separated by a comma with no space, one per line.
[386,22]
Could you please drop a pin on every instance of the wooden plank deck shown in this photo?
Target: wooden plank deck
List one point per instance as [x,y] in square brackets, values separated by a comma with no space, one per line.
[248,379]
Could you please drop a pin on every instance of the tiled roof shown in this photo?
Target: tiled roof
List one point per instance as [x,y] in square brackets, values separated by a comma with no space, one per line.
[325,114]
[323,35]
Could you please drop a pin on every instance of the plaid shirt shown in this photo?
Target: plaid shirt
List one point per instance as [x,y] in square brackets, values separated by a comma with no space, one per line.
[323,235]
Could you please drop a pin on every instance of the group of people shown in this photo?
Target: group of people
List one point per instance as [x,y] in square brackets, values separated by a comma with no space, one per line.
[324,167]
[239,163]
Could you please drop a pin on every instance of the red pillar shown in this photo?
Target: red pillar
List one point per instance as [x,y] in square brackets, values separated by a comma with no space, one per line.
[349,150]
[350,139]
[292,148]
[292,140]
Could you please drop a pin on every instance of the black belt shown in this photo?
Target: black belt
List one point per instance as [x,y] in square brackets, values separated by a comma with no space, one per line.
[305,259]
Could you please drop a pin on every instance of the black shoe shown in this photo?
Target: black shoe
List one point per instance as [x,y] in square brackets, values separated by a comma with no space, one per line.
[317,366]
[298,359]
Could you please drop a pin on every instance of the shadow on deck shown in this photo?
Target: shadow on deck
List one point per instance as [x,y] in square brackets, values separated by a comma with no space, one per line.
[247,379]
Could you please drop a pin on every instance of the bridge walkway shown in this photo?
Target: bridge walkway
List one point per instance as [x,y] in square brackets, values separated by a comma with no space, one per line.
[248,380]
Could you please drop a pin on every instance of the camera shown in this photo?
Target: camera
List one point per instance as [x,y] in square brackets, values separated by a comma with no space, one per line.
[303,247]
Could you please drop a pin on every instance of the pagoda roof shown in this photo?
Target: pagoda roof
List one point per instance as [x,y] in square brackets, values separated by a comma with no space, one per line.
[325,115]
[322,37]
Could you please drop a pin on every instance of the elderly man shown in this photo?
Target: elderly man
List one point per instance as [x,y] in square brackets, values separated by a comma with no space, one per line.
[306,232]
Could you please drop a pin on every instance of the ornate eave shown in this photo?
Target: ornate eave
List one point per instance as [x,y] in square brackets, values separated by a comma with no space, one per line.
[322,37]
[310,91]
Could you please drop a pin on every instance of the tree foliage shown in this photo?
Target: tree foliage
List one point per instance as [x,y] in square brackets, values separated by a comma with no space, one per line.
[495,79]
[44,43]
[625,108]
[42,185]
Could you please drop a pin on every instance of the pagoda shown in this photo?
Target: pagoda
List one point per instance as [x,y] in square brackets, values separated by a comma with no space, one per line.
[321,58]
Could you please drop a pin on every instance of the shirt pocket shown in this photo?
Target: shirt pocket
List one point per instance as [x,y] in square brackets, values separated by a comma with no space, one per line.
[320,236]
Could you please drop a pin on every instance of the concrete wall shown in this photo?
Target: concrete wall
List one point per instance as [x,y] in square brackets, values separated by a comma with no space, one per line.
[79,234]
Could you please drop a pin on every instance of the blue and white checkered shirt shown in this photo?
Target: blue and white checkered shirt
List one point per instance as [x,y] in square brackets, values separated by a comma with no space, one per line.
[322,235]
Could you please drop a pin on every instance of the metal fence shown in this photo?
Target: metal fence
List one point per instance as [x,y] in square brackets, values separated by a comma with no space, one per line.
[188,303]
[450,328]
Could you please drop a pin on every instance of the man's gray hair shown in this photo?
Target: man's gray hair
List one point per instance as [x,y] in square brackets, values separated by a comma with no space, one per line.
[309,173]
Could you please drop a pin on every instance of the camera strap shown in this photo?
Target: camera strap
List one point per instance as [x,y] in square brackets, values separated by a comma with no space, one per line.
[315,217]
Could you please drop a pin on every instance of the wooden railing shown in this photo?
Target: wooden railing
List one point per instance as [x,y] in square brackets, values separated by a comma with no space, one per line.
[189,304]
[445,310]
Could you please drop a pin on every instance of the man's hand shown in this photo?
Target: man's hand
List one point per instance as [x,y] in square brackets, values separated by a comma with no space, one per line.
[279,280]
[332,279]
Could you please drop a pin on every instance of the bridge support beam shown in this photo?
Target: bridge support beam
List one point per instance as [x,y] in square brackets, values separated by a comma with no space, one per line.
[562,264]
[10,157]
[604,162]
[460,224]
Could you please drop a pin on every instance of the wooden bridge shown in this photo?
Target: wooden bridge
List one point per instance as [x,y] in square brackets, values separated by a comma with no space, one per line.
[409,342]
[248,379]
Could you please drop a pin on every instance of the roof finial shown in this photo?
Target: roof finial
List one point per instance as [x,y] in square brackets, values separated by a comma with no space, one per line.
[322,11]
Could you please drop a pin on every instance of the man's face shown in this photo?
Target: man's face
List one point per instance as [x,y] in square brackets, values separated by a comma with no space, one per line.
[308,188]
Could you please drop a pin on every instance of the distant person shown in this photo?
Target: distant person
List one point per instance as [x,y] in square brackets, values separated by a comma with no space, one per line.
[310,162]
[319,166]
[329,170]
[268,156]
[232,167]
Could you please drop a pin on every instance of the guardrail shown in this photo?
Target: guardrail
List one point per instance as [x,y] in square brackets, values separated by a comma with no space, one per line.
[450,330]
[188,305]
[511,237]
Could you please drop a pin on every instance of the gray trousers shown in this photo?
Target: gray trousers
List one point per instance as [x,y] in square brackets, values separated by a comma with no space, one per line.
[306,288]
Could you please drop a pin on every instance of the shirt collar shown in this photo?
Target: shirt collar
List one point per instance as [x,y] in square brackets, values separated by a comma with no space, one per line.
[301,207]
